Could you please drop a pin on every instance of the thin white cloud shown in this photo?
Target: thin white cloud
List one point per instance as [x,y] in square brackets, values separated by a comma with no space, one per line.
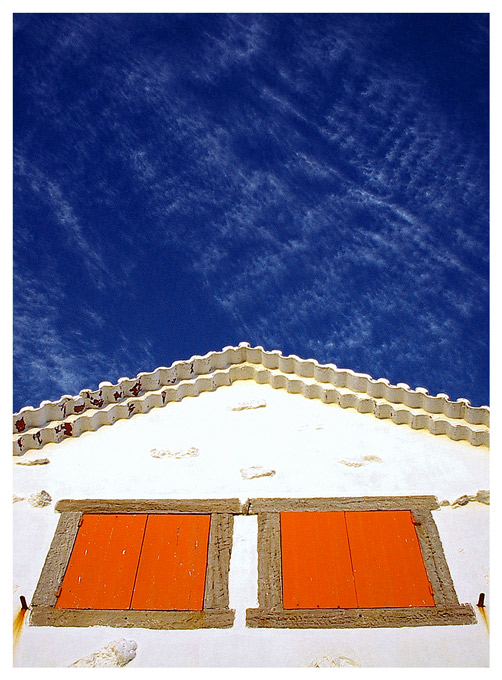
[72,230]
[343,213]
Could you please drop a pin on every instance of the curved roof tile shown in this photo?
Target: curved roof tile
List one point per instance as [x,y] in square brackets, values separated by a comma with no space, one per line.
[70,416]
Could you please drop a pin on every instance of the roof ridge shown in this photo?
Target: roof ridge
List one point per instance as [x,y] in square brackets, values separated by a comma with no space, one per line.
[130,390]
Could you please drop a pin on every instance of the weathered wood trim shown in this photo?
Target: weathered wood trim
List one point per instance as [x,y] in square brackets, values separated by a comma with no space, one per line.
[271,614]
[216,595]
[133,618]
[434,559]
[258,505]
[269,561]
[57,560]
[152,505]
[361,618]
[215,614]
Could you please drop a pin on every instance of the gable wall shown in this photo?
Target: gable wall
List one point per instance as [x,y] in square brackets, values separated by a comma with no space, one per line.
[315,449]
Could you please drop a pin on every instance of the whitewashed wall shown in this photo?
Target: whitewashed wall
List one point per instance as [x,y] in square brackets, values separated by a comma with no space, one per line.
[315,449]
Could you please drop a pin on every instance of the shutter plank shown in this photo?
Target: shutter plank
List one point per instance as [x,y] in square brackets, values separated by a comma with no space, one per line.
[103,563]
[316,565]
[388,566]
[172,567]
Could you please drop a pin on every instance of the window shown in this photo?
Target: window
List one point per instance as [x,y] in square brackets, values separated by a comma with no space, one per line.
[137,561]
[352,562]
[322,563]
[155,564]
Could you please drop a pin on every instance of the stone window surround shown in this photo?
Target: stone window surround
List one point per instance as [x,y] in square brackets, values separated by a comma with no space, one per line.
[215,612]
[270,612]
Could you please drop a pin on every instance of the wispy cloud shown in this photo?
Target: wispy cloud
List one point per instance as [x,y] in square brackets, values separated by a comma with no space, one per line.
[50,360]
[290,171]
[72,232]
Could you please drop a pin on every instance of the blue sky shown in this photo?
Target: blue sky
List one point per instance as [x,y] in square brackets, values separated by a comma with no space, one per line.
[311,183]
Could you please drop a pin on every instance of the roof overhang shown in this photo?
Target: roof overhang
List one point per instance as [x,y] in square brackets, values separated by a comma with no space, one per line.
[53,422]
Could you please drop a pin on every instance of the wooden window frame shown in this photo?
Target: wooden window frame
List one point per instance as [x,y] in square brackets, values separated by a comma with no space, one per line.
[271,613]
[215,612]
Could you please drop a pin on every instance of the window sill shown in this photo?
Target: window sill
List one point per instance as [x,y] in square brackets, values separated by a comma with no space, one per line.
[361,618]
[215,612]
[162,620]
[271,612]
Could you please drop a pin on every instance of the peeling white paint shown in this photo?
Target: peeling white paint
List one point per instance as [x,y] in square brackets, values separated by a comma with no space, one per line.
[360,462]
[189,452]
[40,499]
[256,471]
[249,405]
[116,653]
[351,463]
[334,662]
[482,496]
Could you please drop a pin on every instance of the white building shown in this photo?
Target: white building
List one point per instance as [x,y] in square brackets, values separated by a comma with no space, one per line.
[248,509]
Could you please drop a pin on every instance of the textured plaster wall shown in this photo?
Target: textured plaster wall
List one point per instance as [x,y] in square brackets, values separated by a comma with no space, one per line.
[205,447]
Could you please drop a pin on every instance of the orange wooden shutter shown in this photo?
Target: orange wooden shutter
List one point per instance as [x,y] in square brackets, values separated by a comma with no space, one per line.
[389,570]
[316,566]
[103,563]
[172,567]
[366,559]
